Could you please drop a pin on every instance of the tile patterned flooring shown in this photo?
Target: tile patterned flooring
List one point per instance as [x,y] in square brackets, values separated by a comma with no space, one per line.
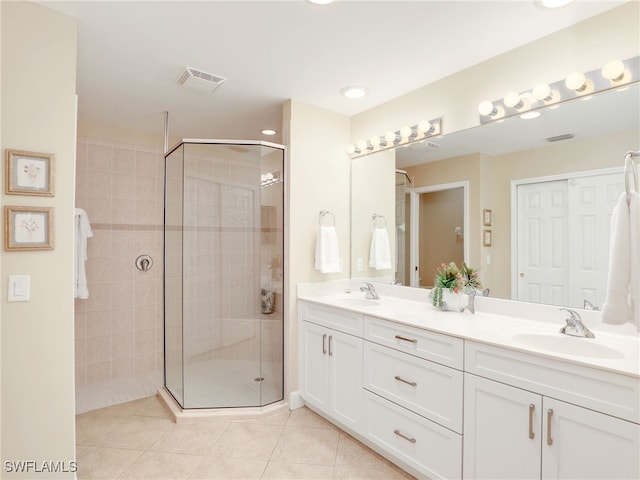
[138,440]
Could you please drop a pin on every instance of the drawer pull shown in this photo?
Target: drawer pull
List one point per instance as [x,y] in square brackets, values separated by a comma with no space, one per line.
[408,439]
[549,415]
[400,379]
[531,409]
[411,340]
[330,351]
[324,346]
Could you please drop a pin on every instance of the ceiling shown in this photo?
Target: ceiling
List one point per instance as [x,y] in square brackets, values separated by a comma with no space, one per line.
[130,55]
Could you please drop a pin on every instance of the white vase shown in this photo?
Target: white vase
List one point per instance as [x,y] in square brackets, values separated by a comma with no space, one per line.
[448,300]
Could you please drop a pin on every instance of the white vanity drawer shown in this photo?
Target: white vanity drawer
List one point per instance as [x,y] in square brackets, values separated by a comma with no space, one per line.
[599,390]
[335,318]
[426,388]
[422,343]
[422,444]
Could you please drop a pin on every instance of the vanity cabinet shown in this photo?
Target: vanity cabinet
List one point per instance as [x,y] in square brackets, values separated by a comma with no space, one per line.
[510,432]
[331,364]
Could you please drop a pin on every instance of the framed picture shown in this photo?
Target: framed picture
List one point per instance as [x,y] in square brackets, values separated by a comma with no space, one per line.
[486,217]
[486,238]
[29,173]
[28,228]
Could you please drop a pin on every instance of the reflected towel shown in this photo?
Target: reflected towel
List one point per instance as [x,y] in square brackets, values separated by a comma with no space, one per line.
[327,252]
[634,235]
[380,252]
[82,233]
[622,247]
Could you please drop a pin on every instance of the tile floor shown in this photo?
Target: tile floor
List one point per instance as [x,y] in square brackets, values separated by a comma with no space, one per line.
[138,440]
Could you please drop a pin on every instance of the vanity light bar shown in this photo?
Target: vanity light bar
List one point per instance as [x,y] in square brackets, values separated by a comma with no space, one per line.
[404,136]
[614,75]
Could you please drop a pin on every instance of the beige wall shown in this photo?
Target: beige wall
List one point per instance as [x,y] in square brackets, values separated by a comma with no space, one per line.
[376,191]
[584,47]
[318,179]
[38,114]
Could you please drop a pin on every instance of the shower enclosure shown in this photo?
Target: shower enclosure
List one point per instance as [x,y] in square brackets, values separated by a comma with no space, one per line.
[223,279]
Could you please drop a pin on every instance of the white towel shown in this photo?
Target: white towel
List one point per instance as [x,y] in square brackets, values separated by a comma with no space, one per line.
[634,281]
[327,252]
[82,233]
[380,252]
[622,248]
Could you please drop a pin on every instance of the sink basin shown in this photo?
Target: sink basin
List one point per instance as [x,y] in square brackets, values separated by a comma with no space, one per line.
[584,347]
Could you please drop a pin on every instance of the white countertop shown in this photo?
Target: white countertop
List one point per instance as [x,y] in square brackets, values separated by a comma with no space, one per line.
[519,326]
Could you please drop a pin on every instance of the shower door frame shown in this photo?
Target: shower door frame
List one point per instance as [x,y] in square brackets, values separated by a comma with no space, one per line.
[284,328]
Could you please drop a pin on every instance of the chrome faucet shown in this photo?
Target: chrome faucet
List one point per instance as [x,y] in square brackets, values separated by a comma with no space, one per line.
[371,291]
[574,325]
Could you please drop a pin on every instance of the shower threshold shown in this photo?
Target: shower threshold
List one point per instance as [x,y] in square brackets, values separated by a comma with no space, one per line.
[188,415]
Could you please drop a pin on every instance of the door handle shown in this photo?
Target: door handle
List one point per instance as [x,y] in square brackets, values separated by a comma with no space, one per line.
[531,409]
[400,379]
[410,340]
[324,347]
[330,351]
[549,415]
[400,434]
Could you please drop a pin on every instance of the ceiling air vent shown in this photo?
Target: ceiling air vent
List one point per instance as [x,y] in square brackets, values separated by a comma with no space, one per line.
[557,138]
[199,81]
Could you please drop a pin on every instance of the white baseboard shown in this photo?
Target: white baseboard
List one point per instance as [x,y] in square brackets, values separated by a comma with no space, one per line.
[295,400]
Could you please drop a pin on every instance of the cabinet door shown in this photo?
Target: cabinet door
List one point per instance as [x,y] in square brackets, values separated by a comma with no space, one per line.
[314,365]
[345,363]
[501,431]
[582,444]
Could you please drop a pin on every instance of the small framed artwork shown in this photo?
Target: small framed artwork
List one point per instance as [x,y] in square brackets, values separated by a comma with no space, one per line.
[28,228]
[29,173]
[486,238]
[486,217]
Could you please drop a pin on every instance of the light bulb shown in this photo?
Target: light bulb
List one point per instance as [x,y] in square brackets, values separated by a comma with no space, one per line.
[486,108]
[613,71]
[405,132]
[576,81]
[374,141]
[363,145]
[512,100]
[350,149]
[390,136]
[425,127]
[542,91]
[269,176]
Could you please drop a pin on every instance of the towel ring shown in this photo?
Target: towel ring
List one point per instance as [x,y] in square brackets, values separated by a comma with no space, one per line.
[375,216]
[326,212]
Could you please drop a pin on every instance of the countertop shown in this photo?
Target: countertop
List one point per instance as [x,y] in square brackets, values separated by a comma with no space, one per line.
[496,322]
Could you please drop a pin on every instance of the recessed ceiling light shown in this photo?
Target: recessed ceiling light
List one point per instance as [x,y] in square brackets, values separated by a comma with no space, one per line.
[268,131]
[354,91]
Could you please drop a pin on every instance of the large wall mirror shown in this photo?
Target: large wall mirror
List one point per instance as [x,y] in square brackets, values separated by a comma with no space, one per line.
[525,201]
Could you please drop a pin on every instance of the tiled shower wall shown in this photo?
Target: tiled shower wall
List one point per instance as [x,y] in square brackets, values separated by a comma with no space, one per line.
[119,327]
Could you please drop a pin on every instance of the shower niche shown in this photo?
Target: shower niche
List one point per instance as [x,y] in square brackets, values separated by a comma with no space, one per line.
[223,277]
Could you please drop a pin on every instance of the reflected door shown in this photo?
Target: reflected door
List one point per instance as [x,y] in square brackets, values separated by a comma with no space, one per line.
[563,239]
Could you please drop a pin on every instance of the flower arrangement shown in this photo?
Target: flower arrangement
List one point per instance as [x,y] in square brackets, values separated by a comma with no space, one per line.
[455,279]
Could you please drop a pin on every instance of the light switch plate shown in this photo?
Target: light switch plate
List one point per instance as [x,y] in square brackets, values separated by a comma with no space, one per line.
[18,289]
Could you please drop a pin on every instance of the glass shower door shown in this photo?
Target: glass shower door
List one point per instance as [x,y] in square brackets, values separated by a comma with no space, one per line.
[231,297]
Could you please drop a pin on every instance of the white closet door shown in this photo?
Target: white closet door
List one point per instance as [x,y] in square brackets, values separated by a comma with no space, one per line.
[591,199]
[543,263]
